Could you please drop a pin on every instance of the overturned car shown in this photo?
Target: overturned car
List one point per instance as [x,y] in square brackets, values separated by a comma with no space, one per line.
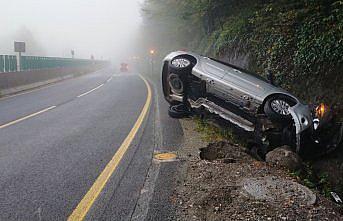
[195,84]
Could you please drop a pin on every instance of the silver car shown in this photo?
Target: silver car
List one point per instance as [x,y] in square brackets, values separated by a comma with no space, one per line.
[193,83]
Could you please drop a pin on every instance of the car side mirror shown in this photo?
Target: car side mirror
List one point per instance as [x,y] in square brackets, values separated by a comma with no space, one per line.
[271,78]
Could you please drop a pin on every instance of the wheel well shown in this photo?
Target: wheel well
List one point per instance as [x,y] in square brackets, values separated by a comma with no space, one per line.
[190,57]
[261,110]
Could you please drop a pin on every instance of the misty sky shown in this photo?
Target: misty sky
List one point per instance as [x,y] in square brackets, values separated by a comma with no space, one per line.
[100,27]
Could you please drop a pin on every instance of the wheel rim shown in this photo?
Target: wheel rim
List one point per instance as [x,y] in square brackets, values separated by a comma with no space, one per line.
[175,84]
[181,63]
[280,107]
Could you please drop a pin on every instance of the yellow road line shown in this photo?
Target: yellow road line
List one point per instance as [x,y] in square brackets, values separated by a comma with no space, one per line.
[86,203]
[81,95]
[27,117]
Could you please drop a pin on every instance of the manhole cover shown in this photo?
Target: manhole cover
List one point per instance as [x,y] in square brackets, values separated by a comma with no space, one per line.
[165,156]
[277,190]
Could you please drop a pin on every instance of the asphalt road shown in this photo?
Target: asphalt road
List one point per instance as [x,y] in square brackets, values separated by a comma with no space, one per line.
[57,140]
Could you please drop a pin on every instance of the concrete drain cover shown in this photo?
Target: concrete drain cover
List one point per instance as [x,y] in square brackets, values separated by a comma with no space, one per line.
[165,157]
[279,191]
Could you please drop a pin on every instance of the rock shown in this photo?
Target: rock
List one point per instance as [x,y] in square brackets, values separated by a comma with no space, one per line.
[284,157]
[278,191]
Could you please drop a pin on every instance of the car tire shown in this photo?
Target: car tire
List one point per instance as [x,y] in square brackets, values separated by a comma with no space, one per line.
[274,115]
[178,111]
[181,70]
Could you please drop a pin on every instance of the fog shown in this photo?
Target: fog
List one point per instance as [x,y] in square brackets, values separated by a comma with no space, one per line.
[103,28]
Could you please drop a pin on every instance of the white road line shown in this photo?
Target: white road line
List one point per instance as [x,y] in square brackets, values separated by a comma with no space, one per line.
[26,117]
[108,80]
[81,95]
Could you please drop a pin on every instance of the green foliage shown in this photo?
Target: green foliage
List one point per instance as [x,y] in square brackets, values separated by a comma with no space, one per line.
[302,44]
[312,180]
[212,133]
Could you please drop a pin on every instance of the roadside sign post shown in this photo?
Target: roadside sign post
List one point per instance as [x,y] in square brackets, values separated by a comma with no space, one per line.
[19,47]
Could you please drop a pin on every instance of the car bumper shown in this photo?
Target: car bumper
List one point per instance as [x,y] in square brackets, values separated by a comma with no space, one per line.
[311,140]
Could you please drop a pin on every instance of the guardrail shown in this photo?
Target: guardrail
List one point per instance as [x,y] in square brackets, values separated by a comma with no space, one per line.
[8,63]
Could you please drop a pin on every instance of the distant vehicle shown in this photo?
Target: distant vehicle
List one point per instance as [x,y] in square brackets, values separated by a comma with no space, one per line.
[124,67]
[193,83]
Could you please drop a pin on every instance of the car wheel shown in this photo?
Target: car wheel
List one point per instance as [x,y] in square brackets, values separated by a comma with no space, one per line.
[166,87]
[181,65]
[179,111]
[277,108]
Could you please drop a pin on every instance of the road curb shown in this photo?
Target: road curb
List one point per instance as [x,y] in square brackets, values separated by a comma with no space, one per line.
[17,90]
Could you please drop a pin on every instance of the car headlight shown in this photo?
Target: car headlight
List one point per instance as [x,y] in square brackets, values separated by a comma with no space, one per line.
[323,115]
[321,110]
[180,62]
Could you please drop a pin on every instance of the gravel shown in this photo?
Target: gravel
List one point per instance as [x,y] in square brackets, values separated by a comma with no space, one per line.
[212,187]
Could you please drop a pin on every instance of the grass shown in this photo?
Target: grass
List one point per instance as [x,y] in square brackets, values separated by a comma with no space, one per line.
[309,178]
[213,133]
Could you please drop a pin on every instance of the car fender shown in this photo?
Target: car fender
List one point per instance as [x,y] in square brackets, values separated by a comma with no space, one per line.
[303,120]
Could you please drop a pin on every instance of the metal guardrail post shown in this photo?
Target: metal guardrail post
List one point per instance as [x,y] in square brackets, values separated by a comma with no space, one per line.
[23,63]
[2,67]
[13,63]
[6,63]
[10,63]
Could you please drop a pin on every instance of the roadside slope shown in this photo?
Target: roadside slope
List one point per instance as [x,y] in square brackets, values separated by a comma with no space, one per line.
[213,190]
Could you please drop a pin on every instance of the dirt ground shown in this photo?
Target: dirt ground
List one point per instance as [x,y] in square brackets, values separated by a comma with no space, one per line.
[212,189]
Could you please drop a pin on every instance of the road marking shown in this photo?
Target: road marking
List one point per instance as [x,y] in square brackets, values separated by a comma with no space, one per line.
[27,117]
[165,156]
[81,95]
[108,80]
[86,203]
